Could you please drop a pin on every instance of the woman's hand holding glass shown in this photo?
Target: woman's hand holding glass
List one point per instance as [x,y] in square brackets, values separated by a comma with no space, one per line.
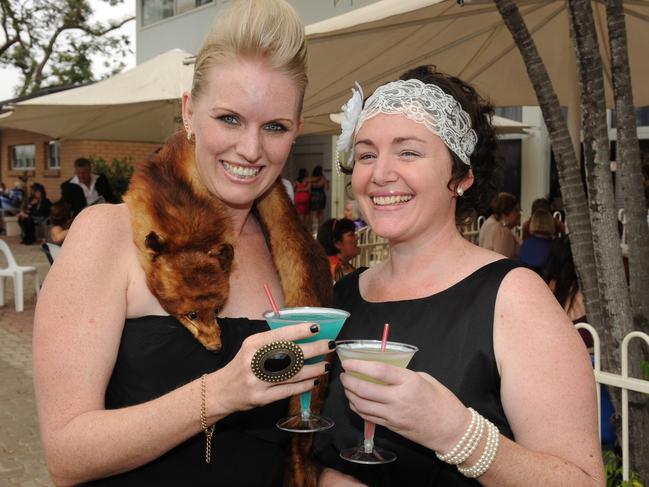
[240,389]
[412,404]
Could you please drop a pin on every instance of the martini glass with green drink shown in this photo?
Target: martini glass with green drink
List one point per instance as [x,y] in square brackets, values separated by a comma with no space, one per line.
[330,321]
[392,353]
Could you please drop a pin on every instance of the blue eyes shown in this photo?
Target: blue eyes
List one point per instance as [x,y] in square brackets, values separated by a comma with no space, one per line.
[275,127]
[229,119]
[269,127]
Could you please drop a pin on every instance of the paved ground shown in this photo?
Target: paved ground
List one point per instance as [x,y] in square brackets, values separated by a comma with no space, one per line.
[21,454]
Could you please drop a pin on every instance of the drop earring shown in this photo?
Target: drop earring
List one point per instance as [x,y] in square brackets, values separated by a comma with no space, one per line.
[188,130]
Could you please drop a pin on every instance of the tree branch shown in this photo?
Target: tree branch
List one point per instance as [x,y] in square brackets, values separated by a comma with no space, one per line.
[100,32]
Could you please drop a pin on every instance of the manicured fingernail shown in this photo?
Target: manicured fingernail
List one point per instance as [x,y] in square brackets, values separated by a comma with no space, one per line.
[327,367]
[331,345]
[316,382]
[314,328]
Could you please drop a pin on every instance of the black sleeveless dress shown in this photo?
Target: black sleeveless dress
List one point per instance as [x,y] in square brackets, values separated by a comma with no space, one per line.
[453,330]
[157,355]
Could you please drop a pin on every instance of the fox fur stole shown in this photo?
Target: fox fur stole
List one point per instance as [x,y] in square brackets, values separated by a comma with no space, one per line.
[187,249]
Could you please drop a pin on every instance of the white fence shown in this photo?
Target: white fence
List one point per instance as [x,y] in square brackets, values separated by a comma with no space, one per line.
[621,381]
[374,249]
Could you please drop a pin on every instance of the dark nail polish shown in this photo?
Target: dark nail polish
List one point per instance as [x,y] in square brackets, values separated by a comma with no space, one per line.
[314,328]
[331,345]
[327,367]
[316,382]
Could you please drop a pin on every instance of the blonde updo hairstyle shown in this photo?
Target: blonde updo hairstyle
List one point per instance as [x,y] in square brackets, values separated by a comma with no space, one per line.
[266,29]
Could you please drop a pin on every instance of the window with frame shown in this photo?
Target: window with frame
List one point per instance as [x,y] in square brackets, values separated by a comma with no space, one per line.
[53,154]
[157,10]
[23,157]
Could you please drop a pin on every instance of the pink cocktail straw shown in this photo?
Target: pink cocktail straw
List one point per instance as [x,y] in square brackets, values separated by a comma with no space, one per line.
[273,304]
[369,426]
[384,338]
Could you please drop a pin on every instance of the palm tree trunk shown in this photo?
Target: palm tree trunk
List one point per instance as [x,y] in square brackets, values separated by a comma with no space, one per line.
[630,173]
[629,167]
[616,304]
[572,191]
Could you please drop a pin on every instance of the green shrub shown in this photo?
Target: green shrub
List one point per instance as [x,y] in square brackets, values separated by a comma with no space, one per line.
[118,172]
[613,468]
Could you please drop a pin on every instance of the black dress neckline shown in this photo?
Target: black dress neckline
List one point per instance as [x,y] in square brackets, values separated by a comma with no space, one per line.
[485,268]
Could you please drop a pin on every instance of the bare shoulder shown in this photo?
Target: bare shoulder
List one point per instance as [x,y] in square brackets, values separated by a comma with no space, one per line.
[529,322]
[523,291]
[100,221]
[95,244]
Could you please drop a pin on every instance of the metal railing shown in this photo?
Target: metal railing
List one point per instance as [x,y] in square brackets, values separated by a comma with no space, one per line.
[621,381]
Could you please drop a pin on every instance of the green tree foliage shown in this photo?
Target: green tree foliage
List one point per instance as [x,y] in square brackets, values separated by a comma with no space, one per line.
[118,172]
[52,42]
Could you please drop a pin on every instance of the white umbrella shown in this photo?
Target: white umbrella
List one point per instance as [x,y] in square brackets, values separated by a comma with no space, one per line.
[141,104]
[377,43]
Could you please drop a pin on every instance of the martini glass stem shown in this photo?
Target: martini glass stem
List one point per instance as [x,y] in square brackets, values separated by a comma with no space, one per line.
[305,406]
[368,442]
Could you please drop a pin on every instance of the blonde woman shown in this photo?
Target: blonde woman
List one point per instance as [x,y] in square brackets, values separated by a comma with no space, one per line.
[125,394]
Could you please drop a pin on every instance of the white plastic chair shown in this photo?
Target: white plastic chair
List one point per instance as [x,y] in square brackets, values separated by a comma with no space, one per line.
[54,249]
[16,272]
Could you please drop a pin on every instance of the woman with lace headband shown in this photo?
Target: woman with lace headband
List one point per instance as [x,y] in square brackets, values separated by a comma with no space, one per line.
[500,392]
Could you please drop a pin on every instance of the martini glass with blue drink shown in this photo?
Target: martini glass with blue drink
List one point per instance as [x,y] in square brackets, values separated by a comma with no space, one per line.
[330,321]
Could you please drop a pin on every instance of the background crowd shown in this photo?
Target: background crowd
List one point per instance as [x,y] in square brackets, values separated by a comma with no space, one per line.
[35,211]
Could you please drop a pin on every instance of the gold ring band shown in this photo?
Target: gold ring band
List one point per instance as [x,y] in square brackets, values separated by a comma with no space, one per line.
[277,361]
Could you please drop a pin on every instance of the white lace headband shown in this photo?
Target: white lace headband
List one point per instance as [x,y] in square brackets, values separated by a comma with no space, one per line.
[420,102]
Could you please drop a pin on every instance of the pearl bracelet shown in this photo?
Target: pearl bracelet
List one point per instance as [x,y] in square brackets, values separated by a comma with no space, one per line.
[468,443]
[488,455]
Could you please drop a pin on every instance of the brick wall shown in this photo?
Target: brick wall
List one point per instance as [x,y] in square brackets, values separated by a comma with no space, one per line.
[69,151]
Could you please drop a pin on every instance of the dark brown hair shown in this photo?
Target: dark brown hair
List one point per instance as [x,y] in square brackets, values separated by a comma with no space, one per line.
[331,232]
[486,161]
[504,204]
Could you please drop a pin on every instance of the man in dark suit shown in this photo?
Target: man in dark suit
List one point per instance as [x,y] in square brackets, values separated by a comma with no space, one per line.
[86,188]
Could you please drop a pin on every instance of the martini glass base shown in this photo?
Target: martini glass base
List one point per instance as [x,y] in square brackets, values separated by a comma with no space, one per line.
[375,457]
[295,424]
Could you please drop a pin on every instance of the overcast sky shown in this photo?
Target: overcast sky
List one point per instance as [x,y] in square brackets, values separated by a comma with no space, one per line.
[9,77]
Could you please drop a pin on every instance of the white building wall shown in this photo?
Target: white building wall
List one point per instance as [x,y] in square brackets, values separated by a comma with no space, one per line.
[535,160]
[187,30]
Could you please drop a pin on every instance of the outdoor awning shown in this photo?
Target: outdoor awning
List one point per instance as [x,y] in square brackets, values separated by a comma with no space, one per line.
[377,43]
[141,104]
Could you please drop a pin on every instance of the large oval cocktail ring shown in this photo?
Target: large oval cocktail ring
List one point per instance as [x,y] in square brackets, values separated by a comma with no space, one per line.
[277,361]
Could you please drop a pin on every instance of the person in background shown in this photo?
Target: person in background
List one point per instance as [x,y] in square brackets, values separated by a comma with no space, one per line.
[537,204]
[126,396]
[500,391]
[351,213]
[12,200]
[85,188]
[340,242]
[496,233]
[61,219]
[302,197]
[36,213]
[318,184]
[535,250]
[561,277]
